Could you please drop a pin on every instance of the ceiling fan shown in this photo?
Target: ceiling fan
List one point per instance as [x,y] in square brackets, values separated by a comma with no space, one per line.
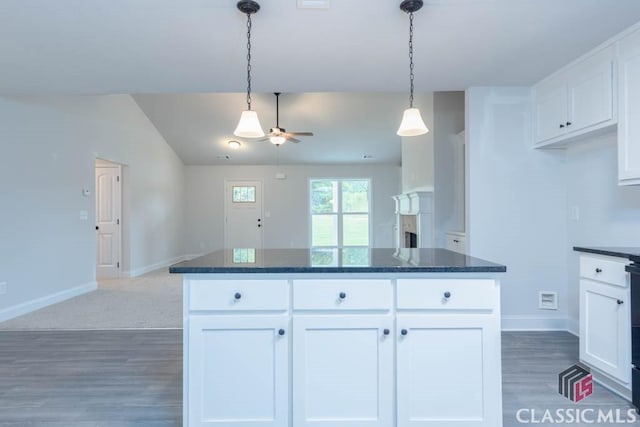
[277,135]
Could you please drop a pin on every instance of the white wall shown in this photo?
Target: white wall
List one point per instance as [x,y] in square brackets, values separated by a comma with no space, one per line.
[609,215]
[48,147]
[448,122]
[285,202]
[417,151]
[516,205]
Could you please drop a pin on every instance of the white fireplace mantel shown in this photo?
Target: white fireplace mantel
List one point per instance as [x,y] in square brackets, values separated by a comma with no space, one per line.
[420,205]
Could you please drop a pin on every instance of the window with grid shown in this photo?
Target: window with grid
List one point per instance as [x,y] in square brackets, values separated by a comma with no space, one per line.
[340,220]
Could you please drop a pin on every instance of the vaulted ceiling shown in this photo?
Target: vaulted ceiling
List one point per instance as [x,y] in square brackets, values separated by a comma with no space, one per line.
[185,62]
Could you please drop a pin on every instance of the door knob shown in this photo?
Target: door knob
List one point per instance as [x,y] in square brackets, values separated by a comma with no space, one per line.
[620,301]
[97,227]
[598,270]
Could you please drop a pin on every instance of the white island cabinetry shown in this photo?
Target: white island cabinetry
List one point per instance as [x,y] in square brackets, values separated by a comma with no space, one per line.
[310,350]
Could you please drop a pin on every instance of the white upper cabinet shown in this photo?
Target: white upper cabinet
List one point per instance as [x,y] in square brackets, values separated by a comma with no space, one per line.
[578,100]
[629,108]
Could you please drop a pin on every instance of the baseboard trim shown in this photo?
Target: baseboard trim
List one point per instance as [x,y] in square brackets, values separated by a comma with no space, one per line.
[148,268]
[534,323]
[38,303]
[573,327]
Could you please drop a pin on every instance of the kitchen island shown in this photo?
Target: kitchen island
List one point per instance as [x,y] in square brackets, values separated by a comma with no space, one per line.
[294,337]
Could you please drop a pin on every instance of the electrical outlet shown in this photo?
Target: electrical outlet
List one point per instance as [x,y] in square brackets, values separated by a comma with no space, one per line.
[3,288]
[548,300]
[575,213]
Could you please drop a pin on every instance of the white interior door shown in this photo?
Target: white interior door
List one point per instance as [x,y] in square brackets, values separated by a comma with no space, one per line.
[243,214]
[108,214]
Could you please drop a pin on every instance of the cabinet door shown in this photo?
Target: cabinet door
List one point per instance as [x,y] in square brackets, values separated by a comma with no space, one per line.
[590,90]
[449,371]
[342,371]
[238,371]
[550,109]
[605,337]
[629,110]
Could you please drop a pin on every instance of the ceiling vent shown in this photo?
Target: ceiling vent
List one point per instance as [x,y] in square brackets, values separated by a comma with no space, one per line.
[313,4]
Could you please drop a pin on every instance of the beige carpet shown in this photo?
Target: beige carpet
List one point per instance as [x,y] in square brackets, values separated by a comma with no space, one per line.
[153,300]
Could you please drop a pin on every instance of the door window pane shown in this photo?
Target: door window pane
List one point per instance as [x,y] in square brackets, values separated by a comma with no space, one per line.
[244,256]
[355,230]
[244,194]
[324,230]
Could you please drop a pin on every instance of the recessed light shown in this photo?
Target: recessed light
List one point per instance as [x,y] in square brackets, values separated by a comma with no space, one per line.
[234,145]
[313,4]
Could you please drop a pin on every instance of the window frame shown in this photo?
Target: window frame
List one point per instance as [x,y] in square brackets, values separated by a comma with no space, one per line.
[340,214]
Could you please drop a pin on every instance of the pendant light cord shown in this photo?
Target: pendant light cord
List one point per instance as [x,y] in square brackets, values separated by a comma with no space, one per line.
[411,59]
[248,61]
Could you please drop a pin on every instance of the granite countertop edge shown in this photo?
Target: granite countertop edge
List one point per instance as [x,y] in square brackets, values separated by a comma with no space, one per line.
[617,252]
[275,270]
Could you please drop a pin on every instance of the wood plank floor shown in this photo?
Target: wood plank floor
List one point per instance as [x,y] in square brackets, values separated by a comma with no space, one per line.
[134,378]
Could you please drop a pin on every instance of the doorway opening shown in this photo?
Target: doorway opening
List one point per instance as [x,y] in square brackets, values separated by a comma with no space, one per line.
[108,192]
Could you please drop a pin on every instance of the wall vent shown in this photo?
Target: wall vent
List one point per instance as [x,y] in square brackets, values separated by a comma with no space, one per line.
[548,300]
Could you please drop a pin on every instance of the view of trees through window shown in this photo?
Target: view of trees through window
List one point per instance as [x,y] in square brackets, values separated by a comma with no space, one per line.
[340,220]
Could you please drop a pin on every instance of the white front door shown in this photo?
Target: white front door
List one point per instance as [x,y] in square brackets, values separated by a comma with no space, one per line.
[243,214]
[108,214]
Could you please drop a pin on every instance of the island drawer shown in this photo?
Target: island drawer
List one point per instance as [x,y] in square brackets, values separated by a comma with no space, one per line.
[447,294]
[238,295]
[604,269]
[342,294]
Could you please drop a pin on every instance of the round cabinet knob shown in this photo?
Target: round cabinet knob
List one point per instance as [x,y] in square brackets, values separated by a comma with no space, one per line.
[342,295]
[620,302]
[404,332]
[386,332]
[447,295]
[281,332]
[598,270]
[238,295]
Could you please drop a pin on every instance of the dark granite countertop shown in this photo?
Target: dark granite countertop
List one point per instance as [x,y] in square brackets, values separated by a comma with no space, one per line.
[630,253]
[432,260]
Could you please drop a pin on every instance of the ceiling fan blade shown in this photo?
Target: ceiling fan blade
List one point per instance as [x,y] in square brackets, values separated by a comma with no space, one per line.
[295,141]
[301,133]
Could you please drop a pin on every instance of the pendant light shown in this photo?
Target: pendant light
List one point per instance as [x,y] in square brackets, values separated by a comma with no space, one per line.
[249,125]
[412,123]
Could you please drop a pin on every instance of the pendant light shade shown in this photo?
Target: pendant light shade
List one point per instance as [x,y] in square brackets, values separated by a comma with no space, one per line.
[249,125]
[412,123]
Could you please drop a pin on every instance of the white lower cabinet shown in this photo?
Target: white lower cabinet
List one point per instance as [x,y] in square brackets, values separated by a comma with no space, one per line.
[605,321]
[604,330]
[342,371]
[408,352]
[238,371]
[448,371]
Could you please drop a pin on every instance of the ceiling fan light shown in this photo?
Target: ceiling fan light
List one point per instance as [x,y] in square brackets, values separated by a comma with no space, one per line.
[277,139]
[234,145]
[249,125]
[412,123]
